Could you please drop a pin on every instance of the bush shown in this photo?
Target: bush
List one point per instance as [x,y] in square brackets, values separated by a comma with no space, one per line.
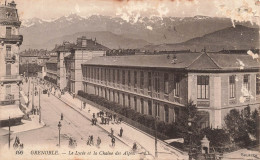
[33,68]
[54,81]
[146,120]
[242,126]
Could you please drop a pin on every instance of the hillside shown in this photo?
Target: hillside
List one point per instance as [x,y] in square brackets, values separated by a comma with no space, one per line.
[155,30]
[239,38]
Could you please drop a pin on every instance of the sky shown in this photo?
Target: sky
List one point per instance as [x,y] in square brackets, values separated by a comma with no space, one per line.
[238,10]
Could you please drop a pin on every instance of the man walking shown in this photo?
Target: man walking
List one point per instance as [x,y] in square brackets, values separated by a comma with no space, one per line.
[112,132]
[91,140]
[121,132]
[98,142]
[113,141]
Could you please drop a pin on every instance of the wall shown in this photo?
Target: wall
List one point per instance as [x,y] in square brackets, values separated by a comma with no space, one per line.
[219,102]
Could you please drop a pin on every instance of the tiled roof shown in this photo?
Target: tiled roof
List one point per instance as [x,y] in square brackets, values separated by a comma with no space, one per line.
[188,61]
[65,47]
[235,61]
[157,61]
[90,45]
[52,60]
[34,53]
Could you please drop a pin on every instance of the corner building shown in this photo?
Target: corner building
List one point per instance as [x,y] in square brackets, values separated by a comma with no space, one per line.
[70,56]
[9,63]
[215,82]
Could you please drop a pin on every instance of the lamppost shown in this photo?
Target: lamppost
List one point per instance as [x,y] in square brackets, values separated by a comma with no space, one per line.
[40,112]
[33,96]
[18,83]
[59,127]
[155,121]
[190,133]
[9,133]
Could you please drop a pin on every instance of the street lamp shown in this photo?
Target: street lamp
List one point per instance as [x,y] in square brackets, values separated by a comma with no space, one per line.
[40,112]
[59,127]
[190,133]
[18,83]
[155,123]
[9,133]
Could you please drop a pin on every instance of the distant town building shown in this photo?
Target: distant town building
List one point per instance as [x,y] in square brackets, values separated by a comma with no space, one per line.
[9,63]
[34,56]
[215,82]
[51,70]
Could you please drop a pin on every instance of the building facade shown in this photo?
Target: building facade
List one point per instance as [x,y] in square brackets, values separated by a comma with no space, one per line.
[9,63]
[70,56]
[215,82]
[51,70]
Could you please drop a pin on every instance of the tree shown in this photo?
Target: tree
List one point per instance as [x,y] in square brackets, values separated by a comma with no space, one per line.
[242,126]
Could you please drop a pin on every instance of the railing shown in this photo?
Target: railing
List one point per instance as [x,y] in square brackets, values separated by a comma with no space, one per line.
[10,77]
[12,38]
[10,57]
[125,119]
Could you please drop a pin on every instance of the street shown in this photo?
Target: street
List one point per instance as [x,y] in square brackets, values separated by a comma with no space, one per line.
[77,126]
[74,125]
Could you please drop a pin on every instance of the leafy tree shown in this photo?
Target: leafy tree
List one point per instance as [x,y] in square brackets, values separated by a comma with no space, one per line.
[242,126]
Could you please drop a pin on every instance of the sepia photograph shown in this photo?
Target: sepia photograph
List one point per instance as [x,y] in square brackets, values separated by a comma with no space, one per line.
[129,79]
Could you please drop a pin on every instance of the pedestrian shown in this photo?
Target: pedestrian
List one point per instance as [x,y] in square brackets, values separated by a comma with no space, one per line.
[93,115]
[102,120]
[113,141]
[91,140]
[121,132]
[88,142]
[134,147]
[92,120]
[61,116]
[112,132]
[114,117]
[107,120]
[95,120]
[98,142]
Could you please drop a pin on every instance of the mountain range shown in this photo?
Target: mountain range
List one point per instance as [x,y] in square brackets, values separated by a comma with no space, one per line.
[153,33]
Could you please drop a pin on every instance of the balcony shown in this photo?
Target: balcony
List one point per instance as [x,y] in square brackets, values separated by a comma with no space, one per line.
[10,78]
[10,58]
[14,39]
[9,99]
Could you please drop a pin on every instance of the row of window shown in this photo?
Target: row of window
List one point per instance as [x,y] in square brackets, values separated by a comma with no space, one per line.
[120,98]
[203,86]
[246,85]
[123,77]
[103,75]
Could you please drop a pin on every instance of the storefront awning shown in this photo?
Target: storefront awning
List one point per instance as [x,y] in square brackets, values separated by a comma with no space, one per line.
[10,110]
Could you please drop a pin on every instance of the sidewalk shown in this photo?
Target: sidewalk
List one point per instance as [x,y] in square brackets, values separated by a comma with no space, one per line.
[130,134]
[27,125]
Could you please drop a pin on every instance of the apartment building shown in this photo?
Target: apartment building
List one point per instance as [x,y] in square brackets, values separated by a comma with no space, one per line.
[9,63]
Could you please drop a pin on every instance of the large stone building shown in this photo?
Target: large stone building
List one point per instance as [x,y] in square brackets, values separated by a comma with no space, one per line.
[70,56]
[215,82]
[9,63]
